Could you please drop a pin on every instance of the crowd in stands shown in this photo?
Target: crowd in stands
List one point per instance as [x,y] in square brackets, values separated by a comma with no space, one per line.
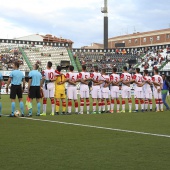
[105,60]
[8,56]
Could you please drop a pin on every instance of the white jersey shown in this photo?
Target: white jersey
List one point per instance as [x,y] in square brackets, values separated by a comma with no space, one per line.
[126,77]
[96,77]
[49,74]
[72,77]
[105,77]
[84,76]
[147,87]
[114,78]
[139,79]
[157,79]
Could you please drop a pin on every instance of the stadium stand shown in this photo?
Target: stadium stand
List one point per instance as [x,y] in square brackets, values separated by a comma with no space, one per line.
[45,54]
[104,60]
[9,54]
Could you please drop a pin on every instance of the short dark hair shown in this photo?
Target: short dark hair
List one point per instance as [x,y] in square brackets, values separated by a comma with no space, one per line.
[138,70]
[96,68]
[156,71]
[83,67]
[104,70]
[114,69]
[59,68]
[145,71]
[16,64]
[71,68]
[36,66]
[125,68]
[49,64]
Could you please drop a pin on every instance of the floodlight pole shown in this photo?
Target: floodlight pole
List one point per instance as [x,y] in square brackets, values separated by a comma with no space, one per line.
[105,11]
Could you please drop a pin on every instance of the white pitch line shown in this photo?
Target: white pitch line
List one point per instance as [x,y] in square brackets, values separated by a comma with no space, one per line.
[99,127]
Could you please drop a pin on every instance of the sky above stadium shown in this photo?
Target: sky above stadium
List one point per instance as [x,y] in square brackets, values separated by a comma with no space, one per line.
[81,20]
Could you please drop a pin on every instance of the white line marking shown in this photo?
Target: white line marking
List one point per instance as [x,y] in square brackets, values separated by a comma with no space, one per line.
[98,127]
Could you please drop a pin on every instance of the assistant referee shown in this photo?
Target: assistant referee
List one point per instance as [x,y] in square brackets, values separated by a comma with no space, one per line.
[16,78]
[34,86]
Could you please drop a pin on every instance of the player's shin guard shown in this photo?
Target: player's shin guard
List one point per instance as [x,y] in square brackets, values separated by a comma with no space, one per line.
[69,106]
[102,105]
[142,104]
[94,107]
[57,106]
[13,107]
[99,106]
[21,105]
[130,104]
[123,105]
[88,104]
[161,104]
[108,105]
[118,104]
[76,106]
[64,106]
[112,104]
[44,105]
[136,104]
[38,108]
[81,105]
[157,104]
[146,104]
[0,108]
[150,103]
[52,105]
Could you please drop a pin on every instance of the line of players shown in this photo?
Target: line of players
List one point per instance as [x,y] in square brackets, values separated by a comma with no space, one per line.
[103,86]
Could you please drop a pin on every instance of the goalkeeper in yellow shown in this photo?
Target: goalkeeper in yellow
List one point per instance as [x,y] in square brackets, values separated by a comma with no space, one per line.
[60,93]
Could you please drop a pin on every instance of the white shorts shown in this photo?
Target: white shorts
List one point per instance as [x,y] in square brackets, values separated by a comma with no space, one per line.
[126,92]
[115,92]
[96,92]
[147,95]
[105,93]
[138,94]
[49,93]
[157,95]
[84,92]
[72,93]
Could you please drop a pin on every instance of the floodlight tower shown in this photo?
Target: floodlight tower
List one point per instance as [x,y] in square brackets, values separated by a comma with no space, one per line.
[105,11]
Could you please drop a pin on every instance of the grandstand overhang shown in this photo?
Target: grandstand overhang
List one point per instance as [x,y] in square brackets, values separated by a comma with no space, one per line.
[36,43]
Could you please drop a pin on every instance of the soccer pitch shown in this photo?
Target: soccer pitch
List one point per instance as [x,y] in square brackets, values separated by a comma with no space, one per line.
[123,141]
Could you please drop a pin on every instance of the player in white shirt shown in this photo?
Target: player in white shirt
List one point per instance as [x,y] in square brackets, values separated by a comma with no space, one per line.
[97,80]
[126,79]
[138,90]
[84,77]
[114,81]
[48,88]
[157,87]
[72,89]
[147,90]
[105,92]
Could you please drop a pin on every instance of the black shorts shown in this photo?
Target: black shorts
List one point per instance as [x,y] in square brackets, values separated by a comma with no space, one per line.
[34,92]
[16,90]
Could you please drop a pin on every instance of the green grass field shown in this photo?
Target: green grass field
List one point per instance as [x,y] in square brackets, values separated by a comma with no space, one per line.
[50,144]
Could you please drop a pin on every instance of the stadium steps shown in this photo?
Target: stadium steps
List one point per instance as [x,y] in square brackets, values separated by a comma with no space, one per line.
[78,64]
[26,58]
[72,60]
[138,64]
